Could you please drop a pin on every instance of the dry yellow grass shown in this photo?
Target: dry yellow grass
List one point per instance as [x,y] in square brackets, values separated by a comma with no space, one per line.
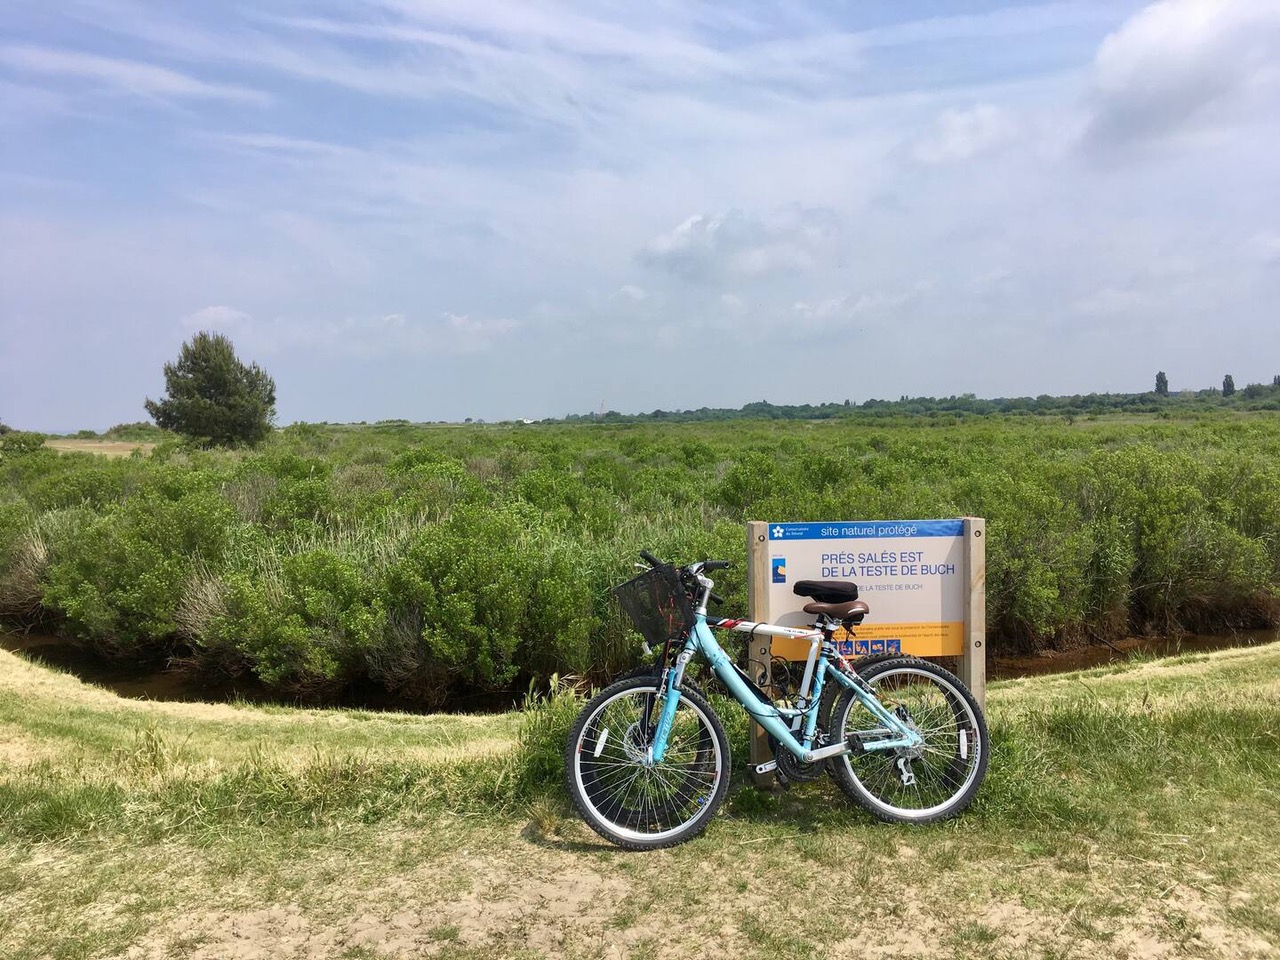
[103,448]
[93,724]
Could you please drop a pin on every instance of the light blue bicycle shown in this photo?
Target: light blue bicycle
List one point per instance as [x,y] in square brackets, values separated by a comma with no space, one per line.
[647,760]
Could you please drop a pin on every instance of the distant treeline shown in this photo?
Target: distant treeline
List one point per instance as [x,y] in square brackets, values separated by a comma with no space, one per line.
[1255,396]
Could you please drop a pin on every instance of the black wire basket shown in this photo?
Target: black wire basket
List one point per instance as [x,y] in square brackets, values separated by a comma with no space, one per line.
[657,604]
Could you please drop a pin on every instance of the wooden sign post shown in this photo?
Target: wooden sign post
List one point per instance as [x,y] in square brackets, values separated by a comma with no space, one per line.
[759,652]
[973,658]
[925,581]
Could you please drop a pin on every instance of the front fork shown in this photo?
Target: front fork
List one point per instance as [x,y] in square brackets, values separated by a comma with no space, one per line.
[673,677]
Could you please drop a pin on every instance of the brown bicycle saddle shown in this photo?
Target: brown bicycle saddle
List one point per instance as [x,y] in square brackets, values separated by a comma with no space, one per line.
[835,598]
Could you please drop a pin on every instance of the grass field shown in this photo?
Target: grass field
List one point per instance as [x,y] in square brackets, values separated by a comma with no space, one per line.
[1129,812]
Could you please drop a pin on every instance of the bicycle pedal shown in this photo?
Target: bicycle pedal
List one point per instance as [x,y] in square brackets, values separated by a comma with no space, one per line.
[854,743]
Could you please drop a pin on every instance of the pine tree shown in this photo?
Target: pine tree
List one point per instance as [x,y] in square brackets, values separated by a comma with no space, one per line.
[214,399]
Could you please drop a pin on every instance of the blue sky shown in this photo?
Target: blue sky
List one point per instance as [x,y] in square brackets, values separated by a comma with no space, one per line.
[437,209]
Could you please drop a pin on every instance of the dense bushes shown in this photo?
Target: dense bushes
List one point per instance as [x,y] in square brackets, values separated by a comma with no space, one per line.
[120,578]
[437,562]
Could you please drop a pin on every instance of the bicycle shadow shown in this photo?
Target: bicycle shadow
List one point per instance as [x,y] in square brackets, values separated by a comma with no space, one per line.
[803,807]
[539,836]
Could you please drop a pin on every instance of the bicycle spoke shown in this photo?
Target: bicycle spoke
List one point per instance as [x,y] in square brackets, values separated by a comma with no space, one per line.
[629,792]
[937,713]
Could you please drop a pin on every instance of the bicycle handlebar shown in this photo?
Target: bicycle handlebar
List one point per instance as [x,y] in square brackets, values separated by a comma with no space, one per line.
[704,565]
[698,567]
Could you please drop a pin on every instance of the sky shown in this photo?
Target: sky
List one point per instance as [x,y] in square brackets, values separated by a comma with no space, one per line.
[439,209]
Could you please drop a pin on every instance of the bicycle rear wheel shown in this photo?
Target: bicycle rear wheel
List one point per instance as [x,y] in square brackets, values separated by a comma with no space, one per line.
[932,782]
[625,799]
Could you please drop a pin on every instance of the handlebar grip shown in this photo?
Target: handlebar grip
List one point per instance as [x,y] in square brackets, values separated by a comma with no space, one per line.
[715,598]
[652,560]
[716,565]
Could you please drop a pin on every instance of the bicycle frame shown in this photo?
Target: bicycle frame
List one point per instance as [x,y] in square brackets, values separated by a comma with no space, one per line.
[782,723]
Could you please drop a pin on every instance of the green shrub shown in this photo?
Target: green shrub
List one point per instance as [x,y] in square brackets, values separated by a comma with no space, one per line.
[119,579]
[466,588]
[442,562]
[140,430]
[536,765]
[95,485]
[18,594]
[433,489]
[15,516]
[305,627]
[20,443]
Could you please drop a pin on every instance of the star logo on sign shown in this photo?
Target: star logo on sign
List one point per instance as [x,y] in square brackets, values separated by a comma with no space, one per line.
[777,533]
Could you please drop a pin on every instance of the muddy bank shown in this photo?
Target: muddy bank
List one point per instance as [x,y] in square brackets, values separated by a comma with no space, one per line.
[175,683]
[1100,655]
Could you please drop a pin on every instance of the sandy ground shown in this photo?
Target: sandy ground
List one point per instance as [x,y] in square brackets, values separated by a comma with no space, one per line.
[551,899]
[105,448]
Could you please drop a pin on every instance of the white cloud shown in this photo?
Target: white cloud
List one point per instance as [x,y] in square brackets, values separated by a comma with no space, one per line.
[632,293]
[323,244]
[473,334]
[382,335]
[1264,247]
[849,309]
[209,318]
[962,134]
[1113,304]
[364,337]
[1184,63]
[124,76]
[735,245]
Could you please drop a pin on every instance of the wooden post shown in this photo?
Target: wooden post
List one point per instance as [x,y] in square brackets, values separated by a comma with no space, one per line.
[973,658]
[759,650]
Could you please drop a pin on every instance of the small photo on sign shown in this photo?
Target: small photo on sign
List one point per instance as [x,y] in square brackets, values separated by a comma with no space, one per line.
[779,569]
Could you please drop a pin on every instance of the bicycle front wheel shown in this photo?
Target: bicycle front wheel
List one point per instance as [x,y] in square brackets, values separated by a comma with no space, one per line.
[932,782]
[624,797]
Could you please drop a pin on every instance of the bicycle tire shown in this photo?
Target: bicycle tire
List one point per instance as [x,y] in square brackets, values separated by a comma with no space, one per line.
[955,755]
[641,808]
